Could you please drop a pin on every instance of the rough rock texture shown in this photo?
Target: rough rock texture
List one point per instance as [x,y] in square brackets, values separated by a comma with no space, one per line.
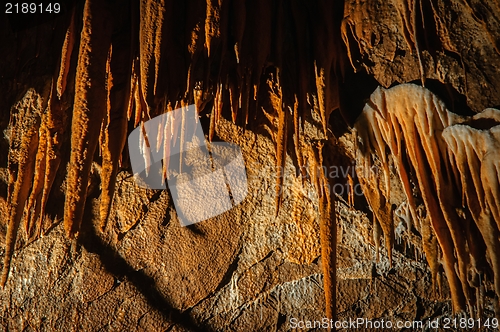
[455,42]
[243,270]
[282,71]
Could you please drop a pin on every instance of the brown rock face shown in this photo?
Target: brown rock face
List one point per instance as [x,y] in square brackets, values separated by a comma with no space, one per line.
[88,248]
[450,41]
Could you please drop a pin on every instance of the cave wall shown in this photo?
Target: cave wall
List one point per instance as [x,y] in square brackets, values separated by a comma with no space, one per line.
[244,269]
[454,42]
[290,95]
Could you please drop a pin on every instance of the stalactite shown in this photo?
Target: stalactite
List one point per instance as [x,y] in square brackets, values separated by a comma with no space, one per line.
[174,64]
[159,136]
[67,51]
[23,146]
[212,23]
[314,168]
[33,206]
[198,98]
[381,208]
[89,105]
[218,104]
[350,182]
[377,234]
[238,28]
[139,104]
[167,134]
[115,132]
[321,87]
[145,148]
[262,23]
[430,247]
[301,37]
[405,13]
[440,163]
[281,142]
[216,112]
[47,163]
[151,23]
[296,139]
[245,96]
[474,153]
[229,48]
[195,53]
[376,136]
[233,96]
[50,139]
[328,238]
[133,93]
[414,13]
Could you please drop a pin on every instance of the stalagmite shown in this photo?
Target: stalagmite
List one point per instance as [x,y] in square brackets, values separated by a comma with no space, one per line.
[89,105]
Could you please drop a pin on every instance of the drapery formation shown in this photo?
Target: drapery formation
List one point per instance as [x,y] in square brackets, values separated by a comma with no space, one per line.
[448,168]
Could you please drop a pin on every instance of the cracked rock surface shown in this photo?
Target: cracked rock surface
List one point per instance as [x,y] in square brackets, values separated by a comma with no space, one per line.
[242,269]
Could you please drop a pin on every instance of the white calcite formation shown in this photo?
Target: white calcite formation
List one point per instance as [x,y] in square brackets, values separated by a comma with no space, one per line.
[448,168]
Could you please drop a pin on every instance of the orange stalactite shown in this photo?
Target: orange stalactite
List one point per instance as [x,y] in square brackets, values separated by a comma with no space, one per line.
[47,163]
[169,60]
[115,126]
[89,106]
[65,62]
[281,140]
[22,157]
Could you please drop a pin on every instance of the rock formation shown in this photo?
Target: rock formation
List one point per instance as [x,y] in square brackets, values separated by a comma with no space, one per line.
[435,153]
[285,80]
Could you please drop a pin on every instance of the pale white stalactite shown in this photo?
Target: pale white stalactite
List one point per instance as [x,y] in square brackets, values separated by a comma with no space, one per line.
[455,163]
